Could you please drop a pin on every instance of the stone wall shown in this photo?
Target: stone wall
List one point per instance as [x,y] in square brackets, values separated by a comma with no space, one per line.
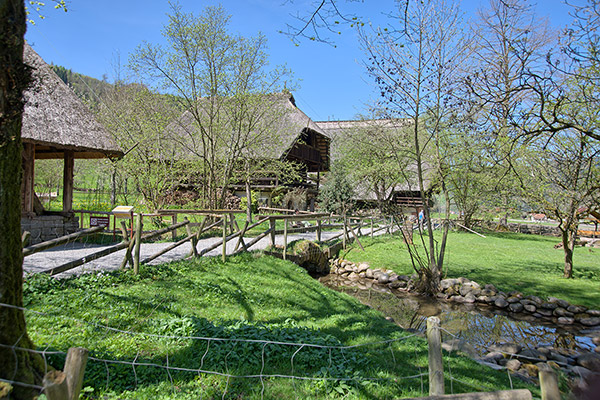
[46,227]
[533,229]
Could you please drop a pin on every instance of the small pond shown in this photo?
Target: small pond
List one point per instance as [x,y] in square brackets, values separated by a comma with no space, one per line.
[479,326]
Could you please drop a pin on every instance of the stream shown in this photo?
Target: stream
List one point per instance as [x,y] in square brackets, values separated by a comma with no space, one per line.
[479,326]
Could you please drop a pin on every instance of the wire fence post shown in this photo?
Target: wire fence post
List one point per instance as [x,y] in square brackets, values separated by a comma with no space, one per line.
[272,228]
[55,385]
[173,222]
[285,238]
[74,370]
[224,250]
[318,230]
[436,369]
[138,243]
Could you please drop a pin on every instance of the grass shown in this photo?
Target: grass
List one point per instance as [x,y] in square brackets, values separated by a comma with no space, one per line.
[247,297]
[510,261]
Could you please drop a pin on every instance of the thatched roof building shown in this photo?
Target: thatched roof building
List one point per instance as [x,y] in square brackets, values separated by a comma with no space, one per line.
[57,125]
[287,133]
[406,193]
[55,119]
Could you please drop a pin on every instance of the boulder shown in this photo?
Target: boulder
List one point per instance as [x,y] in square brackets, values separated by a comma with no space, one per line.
[513,299]
[369,273]
[590,361]
[509,348]
[592,321]
[513,364]
[500,302]
[549,306]
[362,267]
[566,320]
[530,308]
[470,298]
[594,313]
[532,355]
[535,299]
[516,307]
[493,356]
[576,309]
[561,312]
[383,278]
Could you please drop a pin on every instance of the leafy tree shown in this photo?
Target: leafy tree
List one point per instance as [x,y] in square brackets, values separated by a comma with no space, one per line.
[222,81]
[15,365]
[562,178]
[336,195]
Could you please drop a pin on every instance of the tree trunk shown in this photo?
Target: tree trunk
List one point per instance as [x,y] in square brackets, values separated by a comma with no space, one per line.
[15,365]
[568,242]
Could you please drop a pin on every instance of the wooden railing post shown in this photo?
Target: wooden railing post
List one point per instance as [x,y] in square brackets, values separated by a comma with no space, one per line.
[345,234]
[224,250]
[193,239]
[436,369]
[371,227]
[318,230]
[173,222]
[139,225]
[272,227]
[285,229]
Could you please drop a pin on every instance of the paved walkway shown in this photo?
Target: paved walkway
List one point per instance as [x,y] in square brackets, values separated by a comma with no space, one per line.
[59,255]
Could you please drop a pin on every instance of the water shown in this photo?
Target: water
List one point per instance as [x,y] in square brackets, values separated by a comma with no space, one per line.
[479,326]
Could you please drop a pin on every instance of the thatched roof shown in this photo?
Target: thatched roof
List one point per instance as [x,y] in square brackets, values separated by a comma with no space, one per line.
[55,119]
[281,121]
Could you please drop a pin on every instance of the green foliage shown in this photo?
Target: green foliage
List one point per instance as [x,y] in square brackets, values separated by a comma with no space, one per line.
[337,192]
[246,298]
[253,202]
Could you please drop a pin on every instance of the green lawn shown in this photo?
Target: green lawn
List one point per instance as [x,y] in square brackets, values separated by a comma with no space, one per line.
[248,297]
[511,261]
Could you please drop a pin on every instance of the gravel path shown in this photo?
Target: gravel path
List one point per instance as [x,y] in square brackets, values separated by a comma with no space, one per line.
[59,255]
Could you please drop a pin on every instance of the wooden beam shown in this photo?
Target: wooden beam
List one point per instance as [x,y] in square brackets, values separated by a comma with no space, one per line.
[68,181]
[27,187]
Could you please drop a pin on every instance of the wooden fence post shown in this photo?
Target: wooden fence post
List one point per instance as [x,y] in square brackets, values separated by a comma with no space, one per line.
[549,384]
[173,222]
[436,369]
[285,227]
[224,237]
[371,227]
[318,230]
[345,234]
[74,369]
[139,225]
[272,227]
[193,240]
[55,385]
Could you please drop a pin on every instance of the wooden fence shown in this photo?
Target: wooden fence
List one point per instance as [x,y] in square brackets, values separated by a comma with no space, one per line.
[277,224]
[66,384]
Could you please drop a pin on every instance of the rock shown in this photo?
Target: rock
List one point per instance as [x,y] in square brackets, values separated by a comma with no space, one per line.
[596,340]
[559,302]
[490,364]
[594,313]
[532,370]
[493,356]
[516,307]
[532,354]
[397,284]
[561,312]
[482,299]
[447,283]
[576,309]
[513,364]
[566,320]
[362,267]
[558,357]
[491,287]
[465,290]
[353,276]
[393,277]
[488,292]
[500,302]
[535,299]
[581,371]
[470,298]
[369,273]
[405,278]
[590,361]
[530,308]
[513,299]
[544,312]
[527,302]
[383,278]
[597,349]
[362,275]
[509,348]
[549,306]
[459,345]
[457,299]
[592,321]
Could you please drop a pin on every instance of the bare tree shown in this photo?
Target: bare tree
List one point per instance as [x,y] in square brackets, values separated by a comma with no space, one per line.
[417,69]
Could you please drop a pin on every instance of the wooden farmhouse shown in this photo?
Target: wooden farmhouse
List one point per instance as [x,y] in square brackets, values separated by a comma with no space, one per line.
[404,194]
[56,125]
[290,136]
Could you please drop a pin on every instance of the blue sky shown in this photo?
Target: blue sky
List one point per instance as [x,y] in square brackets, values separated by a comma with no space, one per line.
[92,35]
